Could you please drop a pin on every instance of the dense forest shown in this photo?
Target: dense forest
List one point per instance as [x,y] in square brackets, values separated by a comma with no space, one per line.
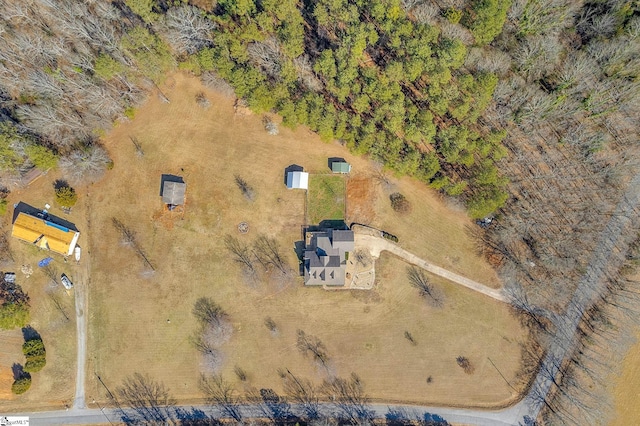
[526,110]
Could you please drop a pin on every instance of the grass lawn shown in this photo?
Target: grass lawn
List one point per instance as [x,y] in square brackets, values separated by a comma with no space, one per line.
[52,314]
[142,322]
[325,198]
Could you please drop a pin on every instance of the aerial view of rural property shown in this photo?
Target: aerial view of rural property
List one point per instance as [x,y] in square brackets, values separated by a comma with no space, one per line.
[320,212]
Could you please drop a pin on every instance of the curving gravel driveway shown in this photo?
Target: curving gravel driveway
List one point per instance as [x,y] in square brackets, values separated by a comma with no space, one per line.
[378,244]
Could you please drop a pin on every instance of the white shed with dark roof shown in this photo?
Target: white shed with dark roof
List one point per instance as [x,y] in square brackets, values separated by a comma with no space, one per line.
[297,180]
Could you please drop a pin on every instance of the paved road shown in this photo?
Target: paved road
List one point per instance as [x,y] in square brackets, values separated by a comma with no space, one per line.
[378,244]
[101,416]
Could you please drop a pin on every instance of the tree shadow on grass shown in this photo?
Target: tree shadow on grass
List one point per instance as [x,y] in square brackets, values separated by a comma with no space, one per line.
[60,183]
[17,370]
[194,417]
[30,333]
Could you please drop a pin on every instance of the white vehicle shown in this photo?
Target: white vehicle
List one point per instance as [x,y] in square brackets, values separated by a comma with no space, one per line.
[66,282]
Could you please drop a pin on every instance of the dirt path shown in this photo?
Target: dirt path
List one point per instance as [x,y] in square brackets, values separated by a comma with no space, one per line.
[80,287]
[378,244]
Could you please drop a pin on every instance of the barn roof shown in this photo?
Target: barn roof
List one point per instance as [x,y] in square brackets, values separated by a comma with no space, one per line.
[297,180]
[173,192]
[45,233]
[340,167]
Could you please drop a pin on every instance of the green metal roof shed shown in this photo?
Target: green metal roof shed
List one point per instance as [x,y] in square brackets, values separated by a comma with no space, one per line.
[340,167]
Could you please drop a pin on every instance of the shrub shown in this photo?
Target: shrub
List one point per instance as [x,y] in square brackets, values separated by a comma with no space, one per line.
[452,15]
[130,112]
[35,364]
[33,348]
[399,203]
[21,385]
[202,101]
[106,67]
[13,315]
[465,364]
[270,126]
[66,196]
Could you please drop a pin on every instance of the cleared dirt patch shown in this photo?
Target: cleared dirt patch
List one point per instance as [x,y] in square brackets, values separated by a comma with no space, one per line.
[361,195]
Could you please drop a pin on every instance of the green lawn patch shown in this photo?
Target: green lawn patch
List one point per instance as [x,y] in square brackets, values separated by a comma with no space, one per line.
[326,198]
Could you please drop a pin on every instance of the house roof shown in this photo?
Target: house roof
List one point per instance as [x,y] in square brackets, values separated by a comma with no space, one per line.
[325,257]
[173,192]
[297,180]
[340,167]
[45,234]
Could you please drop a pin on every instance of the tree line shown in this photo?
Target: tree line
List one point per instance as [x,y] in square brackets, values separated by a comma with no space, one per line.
[364,73]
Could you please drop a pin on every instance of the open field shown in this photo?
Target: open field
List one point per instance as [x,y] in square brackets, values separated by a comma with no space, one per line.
[52,387]
[326,198]
[626,389]
[141,321]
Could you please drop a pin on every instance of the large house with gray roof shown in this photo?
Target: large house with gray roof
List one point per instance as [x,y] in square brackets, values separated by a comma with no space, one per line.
[326,255]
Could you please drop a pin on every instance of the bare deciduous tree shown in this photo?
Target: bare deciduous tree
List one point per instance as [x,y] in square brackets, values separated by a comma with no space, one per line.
[129,238]
[349,398]
[419,280]
[150,399]
[245,188]
[218,391]
[271,325]
[136,144]
[241,253]
[87,163]
[218,84]
[267,251]
[188,31]
[267,55]
[302,392]
[465,364]
[309,344]
[270,126]
[52,273]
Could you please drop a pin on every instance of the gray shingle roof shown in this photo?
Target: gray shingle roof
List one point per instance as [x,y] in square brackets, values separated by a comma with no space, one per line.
[325,257]
[173,193]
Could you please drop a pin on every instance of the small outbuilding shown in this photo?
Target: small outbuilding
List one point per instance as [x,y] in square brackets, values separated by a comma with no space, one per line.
[340,167]
[173,190]
[297,180]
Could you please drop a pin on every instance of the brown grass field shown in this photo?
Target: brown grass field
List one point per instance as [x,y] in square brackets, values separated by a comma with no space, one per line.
[141,322]
[626,389]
